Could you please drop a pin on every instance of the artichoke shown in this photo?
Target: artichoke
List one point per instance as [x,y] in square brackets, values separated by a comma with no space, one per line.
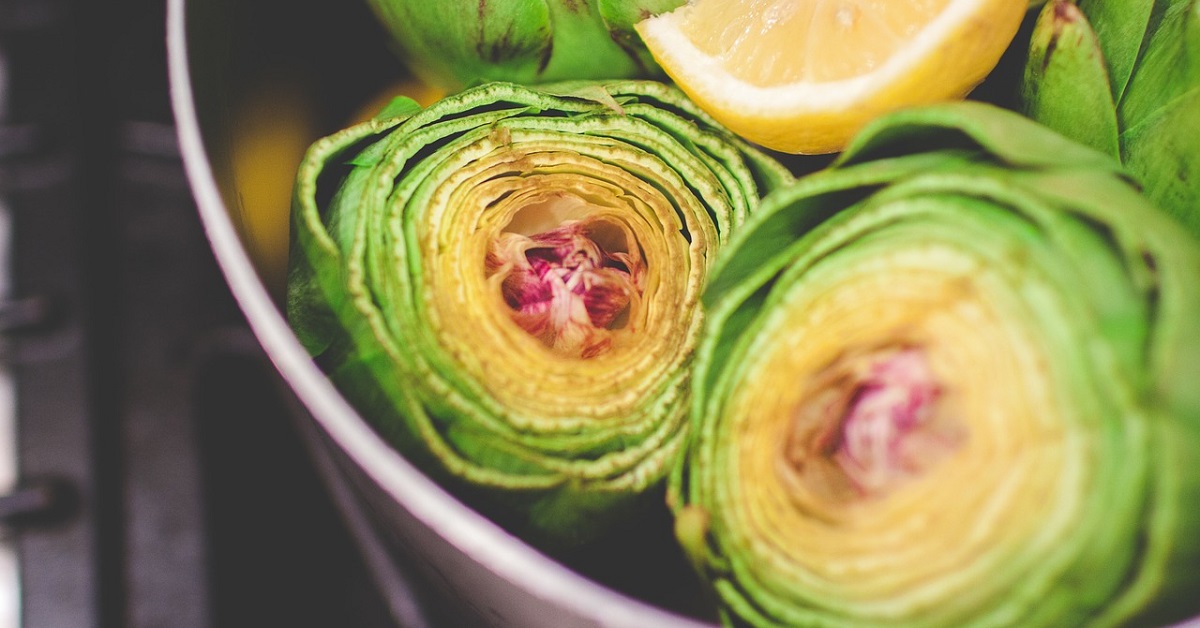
[949,381]
[1123,76]
[507,284]
[457,43]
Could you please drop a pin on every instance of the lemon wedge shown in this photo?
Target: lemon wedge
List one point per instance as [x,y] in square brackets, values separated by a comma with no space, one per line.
[802,76]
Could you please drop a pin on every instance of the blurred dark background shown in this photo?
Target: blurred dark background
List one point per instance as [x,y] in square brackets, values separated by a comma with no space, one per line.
[159,479]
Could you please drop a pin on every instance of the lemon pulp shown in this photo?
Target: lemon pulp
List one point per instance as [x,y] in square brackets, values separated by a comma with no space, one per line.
[804,76]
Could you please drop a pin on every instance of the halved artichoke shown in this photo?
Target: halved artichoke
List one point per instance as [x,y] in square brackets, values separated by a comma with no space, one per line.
[951,381]
[507,284]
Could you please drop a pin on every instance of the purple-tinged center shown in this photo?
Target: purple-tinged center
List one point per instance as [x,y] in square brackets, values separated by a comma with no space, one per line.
[871,424]
[894,399]
[564,288]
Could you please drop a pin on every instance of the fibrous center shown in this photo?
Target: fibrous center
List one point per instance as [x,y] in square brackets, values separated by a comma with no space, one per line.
[565,287]
[870,423]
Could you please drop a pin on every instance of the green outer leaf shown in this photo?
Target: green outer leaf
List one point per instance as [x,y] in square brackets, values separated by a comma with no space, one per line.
[457,43]
[1162,153]
[450,43]
[1008,138]
[1152,53]
[1066,75]
[365,199]
[1160,135]
[1169,67]
[1122,321]
[1121,27]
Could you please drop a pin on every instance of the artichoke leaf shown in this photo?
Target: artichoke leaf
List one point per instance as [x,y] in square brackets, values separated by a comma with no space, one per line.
[1121,27]
[1169,66]
[1067,73]
[1151,51]
[455,43]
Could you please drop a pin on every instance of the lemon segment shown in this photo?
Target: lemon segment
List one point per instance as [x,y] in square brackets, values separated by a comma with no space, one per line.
[803,77]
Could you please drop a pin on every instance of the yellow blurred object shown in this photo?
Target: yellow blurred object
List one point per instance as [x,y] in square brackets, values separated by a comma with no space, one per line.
[272,127]
[802,76]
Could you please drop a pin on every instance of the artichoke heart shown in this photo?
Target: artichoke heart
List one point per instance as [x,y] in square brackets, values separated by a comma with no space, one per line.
[507,284]
[949,381]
